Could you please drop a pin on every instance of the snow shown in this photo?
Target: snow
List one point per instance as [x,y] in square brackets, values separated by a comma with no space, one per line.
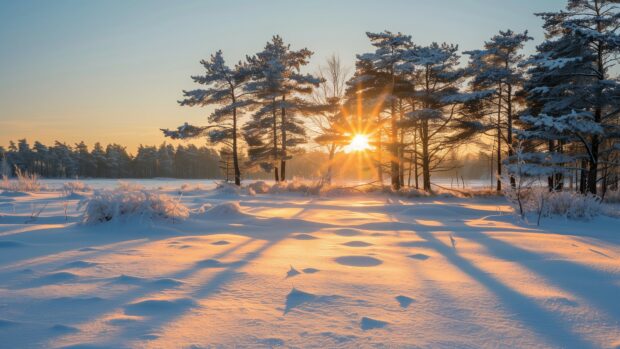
[291,269]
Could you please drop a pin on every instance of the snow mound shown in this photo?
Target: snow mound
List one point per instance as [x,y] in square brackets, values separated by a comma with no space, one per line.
[227,209]
[130,201]
[227,189]
[187,188]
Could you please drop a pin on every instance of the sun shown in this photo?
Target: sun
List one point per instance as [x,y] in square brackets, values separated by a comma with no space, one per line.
[359,142]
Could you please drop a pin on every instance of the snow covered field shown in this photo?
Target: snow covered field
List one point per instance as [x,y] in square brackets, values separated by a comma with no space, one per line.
[290,270]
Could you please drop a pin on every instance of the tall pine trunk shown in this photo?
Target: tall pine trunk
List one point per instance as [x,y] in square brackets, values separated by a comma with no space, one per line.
[401,147]
[416,171]
[598,112]
[283,159]
[275,140]
[379,152]
[426,161]
[499,139]
[235,153]
[510,143]
[394,169]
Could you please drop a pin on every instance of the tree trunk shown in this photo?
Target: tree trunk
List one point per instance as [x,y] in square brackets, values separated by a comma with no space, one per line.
[401,148]
[499,139]
[394,168]
[426,161]
[332,150]
[550,178]
[283,159]
[593,170]
[415,159]
[559,176]
[379,152]
[234,146]
[583,177]
[513,182]
[275,141]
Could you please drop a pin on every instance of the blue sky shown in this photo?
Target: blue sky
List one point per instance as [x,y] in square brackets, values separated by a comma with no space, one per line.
[112,70]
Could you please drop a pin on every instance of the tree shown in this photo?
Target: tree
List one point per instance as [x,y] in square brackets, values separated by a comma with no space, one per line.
[573,95]
[100,161]
[85,163]
[331,122]
[224,88]
[278,85]
[384,63]
[439,111]
[498,68]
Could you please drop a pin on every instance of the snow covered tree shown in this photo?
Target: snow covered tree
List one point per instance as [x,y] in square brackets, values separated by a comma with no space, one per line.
[497,67]
[278,87]
[574,92]
[224,87]
[438,113]
[383,64]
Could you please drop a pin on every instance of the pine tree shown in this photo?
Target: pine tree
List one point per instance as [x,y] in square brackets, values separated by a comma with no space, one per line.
[99,159]
[384,63]
[440,107]
[573,92]
[278,87]
[225,89]
[497,67]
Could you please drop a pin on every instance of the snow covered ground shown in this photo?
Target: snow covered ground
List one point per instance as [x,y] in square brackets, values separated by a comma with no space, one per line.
[304,271]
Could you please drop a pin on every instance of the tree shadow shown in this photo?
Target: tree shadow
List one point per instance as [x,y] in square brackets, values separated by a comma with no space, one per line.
[547,325]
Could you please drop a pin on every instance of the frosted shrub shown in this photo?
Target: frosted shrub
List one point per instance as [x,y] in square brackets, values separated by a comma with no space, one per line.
[75,186]
[26,182]
[129,201]
[543,203]
[573,205]
[259,187]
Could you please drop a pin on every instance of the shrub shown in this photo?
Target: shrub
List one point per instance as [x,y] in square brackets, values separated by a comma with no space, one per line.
[612,197]
[130,201]
[70,188]
[26,182]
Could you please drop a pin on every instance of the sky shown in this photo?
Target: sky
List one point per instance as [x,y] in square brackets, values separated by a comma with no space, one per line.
[112,71]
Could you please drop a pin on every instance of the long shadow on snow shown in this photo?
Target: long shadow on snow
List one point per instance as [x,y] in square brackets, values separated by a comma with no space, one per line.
[83,310]
[595,286]
[546,325]
[221,278]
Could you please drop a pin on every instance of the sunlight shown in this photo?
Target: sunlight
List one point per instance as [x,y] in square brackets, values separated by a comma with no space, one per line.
[359,142]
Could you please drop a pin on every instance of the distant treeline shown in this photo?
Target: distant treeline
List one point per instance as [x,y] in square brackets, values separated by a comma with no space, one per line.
[112,161]
[184,161]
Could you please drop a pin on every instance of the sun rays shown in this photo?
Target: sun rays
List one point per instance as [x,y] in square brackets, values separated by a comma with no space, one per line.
[359,142]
